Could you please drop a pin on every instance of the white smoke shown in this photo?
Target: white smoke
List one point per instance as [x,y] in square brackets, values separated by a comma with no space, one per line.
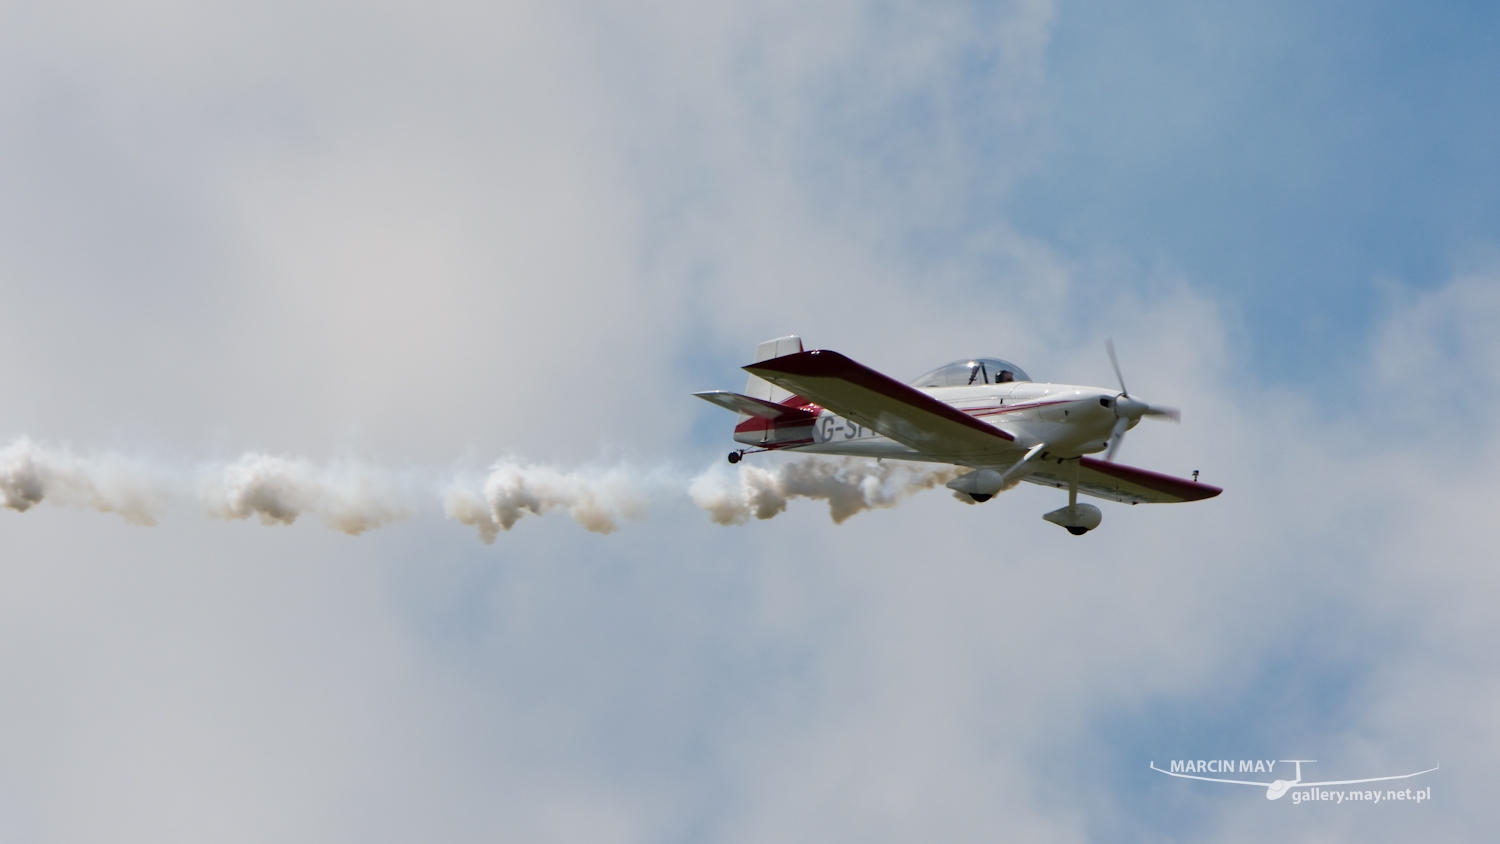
[849,485]
[598,501]
[30,473]
[354,498]
[347,497]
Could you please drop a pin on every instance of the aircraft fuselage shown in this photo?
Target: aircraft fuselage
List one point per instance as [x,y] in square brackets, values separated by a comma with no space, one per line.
[1073,420]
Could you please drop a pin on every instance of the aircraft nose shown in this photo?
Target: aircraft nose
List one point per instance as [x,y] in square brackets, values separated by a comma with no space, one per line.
[1127,407]
[1277,789]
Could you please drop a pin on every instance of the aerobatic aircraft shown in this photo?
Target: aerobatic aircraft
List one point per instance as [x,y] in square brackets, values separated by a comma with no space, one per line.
[982,413]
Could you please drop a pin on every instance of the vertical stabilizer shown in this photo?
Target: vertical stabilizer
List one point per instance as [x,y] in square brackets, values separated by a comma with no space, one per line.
[762,389]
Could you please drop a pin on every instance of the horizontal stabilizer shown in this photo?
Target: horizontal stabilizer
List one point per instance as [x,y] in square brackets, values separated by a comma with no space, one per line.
[755,407]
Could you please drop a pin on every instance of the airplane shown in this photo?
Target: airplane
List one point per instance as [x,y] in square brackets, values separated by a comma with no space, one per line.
[1277,788]
[985,414]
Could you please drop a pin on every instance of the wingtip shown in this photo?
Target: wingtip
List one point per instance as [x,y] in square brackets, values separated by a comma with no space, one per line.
[795,363]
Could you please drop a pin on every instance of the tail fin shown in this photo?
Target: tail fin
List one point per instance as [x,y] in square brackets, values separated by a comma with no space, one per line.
[760,388]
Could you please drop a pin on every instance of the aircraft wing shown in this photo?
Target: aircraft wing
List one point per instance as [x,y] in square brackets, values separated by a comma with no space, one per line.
[1125,484]
[937,430]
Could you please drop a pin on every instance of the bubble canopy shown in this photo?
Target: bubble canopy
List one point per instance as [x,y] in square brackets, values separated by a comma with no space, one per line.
[974,371]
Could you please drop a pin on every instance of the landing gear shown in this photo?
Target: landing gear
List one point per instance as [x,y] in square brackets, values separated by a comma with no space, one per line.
[980,497]
[738,455]
[1077,518]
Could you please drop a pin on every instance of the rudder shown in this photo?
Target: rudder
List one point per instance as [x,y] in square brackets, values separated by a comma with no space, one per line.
[760,388]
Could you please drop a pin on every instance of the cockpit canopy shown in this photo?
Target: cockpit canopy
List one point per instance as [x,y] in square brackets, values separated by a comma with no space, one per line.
[974,371]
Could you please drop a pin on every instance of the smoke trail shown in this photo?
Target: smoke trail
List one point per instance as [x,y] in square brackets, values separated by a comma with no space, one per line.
[30,474]
[355,498]
[347,497]
[597,501]
[849,485]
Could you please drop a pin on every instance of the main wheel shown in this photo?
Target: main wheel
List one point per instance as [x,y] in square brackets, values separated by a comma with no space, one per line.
[734,457]
[1078,531]
[979,496]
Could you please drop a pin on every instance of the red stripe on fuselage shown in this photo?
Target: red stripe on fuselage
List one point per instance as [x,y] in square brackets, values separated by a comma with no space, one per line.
[799,413]
[760,423]
[1011,408]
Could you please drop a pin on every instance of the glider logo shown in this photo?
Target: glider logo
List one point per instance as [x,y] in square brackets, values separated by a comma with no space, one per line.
[1193,769]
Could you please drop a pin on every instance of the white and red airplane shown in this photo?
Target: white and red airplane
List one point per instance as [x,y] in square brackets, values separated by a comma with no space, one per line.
[983,413]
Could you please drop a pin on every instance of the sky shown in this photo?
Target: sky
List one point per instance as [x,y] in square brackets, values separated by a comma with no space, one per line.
[382,248]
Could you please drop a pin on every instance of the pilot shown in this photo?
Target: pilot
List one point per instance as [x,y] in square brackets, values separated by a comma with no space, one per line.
[1005,377]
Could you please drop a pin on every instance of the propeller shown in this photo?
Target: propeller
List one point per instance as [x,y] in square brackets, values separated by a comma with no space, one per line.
[1117,436]
[1109,346]
[1130,409]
